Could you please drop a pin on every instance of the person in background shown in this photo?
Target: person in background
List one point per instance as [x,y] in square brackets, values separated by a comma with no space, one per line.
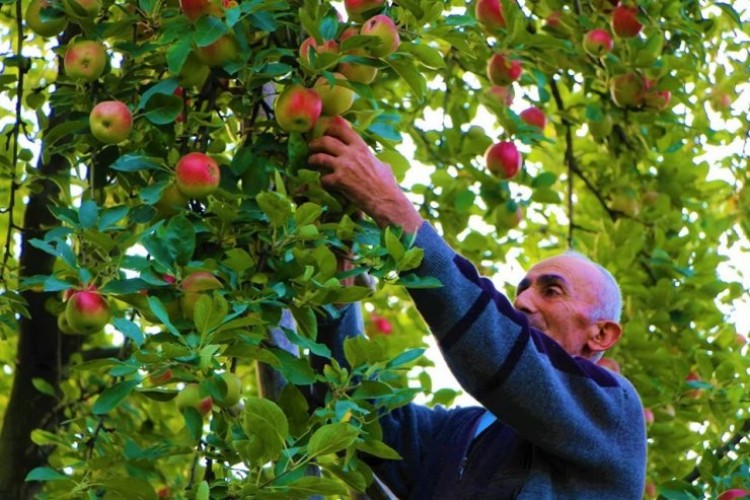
[552,423]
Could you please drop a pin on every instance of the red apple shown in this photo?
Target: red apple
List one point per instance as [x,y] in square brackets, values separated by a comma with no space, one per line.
[720,100]
[43,27]
[220,52]
[733,493]
[87,312]
[597,42]
[321,126]
[503,71]
[111,121]
[381,324]
[500,96]
[85,60]
[740,340]
[161,377]
[490,14]
[382,27]
[503,159]
[298,108]
[650,490]
[657,99]
[193,286]
[311,46]
[194,9]
[627,90]
[609,364]
[191,397]
[356,72]
[336,98]
[197,175]
[625,21]
[534,117]
[359,10]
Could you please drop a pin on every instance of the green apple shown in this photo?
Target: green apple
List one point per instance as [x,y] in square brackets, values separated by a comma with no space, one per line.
[195,285]
[222,51]
[234,390]
[191,397]
[50,26]
[85,60]
[336,98]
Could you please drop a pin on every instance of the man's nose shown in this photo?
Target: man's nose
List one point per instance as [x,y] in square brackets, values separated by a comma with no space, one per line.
[523,302]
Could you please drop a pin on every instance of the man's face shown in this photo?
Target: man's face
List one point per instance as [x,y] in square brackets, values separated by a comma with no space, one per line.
[558,296]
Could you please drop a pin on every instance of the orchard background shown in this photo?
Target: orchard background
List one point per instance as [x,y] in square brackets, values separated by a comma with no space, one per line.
[640,162]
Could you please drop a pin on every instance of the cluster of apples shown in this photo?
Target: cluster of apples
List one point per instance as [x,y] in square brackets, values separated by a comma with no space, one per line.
[299,108]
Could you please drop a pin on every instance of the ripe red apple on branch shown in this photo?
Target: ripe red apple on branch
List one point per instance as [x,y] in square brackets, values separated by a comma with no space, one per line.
[503,159]
[194,9]
[534,117]
[597,42]
[384,29]
[733,493]
[503,71]
[359,10]
[309,46]
[489,13]
[298,108]
[625,22]
[500,96]
[111,121]
[87,312]
[85,60]
[627,90]
[197,175]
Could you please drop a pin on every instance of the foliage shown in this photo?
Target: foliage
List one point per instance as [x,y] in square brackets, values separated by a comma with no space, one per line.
[633,187]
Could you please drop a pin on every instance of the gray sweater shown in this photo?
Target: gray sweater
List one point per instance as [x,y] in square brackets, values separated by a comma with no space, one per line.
[566,427]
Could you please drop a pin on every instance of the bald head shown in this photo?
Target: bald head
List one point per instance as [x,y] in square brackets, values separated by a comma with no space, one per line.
[608,305]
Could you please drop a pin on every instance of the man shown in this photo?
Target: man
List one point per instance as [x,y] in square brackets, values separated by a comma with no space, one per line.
[554,424]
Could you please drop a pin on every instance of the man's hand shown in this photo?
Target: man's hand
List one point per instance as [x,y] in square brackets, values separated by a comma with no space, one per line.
[351,168]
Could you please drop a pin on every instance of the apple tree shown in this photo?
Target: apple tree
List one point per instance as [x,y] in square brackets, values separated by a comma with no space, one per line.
[168,254]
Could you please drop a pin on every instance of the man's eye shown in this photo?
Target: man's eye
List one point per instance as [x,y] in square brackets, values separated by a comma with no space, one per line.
[552,291]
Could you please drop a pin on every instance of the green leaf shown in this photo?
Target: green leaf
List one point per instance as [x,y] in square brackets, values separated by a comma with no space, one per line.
[162,109]
[160,312]
[65,129]
[45,474]
[113,396]
[129,330]
[135,163]
[360,351]
[407,70]
[208,29]
[406,357]
[266,426]
[331,438]
[378,449]
[133,285]
[178,53]
[306,487]
[411,259]
[545,179]
[88,214]
[413,281]
[203,492]
[180,239]
[43,386]
[393,245]
[276,206]
[164,87]
[109,217]
[428,56]
[729,10]
[210,311]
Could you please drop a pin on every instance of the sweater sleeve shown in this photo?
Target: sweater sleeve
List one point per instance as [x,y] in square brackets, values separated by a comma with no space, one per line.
[568,406]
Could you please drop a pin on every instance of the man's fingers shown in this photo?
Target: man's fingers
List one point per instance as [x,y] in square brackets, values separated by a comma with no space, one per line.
[342,130]
[327,144]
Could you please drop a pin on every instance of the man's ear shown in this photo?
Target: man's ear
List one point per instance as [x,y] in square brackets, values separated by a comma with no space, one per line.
[607,335]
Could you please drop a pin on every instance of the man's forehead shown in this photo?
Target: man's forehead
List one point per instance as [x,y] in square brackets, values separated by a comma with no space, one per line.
[568,268]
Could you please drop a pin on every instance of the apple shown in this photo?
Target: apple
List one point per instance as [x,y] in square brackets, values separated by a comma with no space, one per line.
[502,71]
[309,45]
[193,72]
[626,202]
[190,397]
[336,98]
[359,10]
[234,390]
[650,490]
[193,286]
[298,108]
[321,126]
[63,325]
[625,21]
[381,324]
[556,23]
[733,493]
[111,121]
[503,159]
[648,416]
[87,312]
[597,42]
[356,72]
[500,96]
[83,9]
[627,90]
[197,175]
[489,13]
[172,201]
[508,215]
[220,52]
[740,340]
[382,27]
[609,364]
[720,100]
[161,377]
[85,60]
[657,99]
[534,117]
[44,27]
[163,492]
[194,9]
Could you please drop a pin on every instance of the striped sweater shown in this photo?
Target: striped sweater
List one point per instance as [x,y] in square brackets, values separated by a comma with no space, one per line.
[565,427]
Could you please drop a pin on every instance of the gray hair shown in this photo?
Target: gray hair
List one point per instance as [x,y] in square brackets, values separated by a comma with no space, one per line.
[609,306]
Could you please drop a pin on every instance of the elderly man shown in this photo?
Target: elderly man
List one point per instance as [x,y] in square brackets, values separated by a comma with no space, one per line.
[553,423]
